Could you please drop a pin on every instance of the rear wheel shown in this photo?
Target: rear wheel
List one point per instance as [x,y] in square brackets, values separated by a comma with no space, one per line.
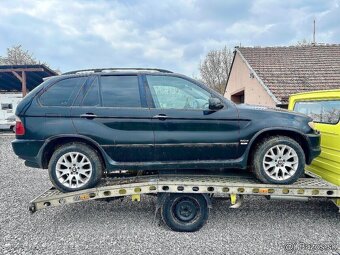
[278,160]
[75,166]
[185,212]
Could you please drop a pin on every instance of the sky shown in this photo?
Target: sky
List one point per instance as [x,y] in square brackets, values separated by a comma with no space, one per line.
[170,34]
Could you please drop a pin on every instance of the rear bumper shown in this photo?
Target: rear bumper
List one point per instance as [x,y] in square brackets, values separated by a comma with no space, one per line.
[314,147]
[28,150]
[6,123]
[5,126]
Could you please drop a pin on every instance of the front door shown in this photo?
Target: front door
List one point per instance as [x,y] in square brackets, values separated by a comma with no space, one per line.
[184,127]
[111,109]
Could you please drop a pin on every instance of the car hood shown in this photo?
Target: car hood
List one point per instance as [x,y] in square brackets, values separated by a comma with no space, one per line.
[242,107]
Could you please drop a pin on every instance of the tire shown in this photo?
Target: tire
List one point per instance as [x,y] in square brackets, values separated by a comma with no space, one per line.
[278,160]
[75,166]
[12,128]
[185,212]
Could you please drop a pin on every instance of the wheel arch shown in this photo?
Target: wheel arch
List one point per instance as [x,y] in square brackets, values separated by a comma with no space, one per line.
[163,195]
[300,138]
[53,143]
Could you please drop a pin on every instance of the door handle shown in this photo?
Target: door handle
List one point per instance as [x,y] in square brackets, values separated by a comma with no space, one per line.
[160,116]
[88,116]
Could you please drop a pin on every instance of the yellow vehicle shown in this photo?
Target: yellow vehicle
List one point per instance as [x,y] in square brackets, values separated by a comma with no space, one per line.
[324,108]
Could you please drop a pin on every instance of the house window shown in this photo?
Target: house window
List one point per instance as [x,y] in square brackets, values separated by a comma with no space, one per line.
[238,98]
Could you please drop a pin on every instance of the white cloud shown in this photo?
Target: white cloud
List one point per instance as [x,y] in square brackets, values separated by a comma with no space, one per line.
[247,29]
[168,34]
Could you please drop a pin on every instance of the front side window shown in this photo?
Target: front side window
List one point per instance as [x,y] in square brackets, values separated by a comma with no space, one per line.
[62,93]
[327,112]
[170,92]
[120,91]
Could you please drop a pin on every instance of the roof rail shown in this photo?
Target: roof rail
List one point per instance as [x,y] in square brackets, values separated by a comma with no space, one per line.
[100,70]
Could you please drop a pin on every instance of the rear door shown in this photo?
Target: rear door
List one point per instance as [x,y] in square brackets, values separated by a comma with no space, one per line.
[112,110]
[185,129]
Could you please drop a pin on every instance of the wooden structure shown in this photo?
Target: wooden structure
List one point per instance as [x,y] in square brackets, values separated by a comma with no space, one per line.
[29,76]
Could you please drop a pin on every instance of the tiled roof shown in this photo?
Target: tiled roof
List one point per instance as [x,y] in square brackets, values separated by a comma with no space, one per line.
[289,70]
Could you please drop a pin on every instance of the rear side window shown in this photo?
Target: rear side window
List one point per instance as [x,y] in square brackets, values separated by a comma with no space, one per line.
[120,91]
[327,112]
[62,93]
[92,95]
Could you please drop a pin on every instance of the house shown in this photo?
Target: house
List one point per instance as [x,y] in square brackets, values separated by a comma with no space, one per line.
[269,75]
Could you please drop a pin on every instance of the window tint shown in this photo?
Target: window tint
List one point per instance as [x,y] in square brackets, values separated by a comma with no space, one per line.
[321,111]
[91,97]
[176,93]
[6,106]
[62,93]
[120,91]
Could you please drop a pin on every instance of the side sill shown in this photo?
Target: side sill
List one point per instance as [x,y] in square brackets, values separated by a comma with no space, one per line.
[169,165]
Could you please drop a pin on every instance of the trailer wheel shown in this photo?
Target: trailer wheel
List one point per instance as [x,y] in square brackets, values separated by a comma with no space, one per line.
[185,212]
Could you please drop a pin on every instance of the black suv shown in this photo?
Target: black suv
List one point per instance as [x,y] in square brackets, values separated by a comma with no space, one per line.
[85,123]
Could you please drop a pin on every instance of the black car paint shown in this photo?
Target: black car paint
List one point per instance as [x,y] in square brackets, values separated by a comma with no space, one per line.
[150,138]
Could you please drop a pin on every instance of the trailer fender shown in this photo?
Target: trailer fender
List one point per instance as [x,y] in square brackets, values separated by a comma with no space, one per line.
[163,195]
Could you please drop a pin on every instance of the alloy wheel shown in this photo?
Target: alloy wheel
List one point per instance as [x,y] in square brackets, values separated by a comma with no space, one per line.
[73,170]
[280,162]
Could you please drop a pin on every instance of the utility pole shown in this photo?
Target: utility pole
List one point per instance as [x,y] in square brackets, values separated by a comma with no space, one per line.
[314,32]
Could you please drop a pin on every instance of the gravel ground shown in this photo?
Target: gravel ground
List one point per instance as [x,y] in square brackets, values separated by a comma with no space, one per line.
[124,227]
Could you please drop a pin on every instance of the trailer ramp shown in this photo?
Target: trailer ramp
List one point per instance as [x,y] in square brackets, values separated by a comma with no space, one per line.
[234,187]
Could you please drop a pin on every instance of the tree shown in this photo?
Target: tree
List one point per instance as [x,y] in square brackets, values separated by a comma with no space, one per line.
[304,42]
[16,55]
[214,69]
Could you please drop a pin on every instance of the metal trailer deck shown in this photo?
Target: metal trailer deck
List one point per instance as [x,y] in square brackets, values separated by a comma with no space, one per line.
[230,187]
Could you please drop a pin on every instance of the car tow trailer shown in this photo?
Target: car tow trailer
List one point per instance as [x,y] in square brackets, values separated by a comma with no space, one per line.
[185,200]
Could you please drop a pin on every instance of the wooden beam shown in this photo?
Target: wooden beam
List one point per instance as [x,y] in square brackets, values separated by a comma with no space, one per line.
[8,70]
[22,79]
[18,76]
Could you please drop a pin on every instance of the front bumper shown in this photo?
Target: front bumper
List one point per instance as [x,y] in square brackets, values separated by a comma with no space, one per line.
[28,150]
[314,147]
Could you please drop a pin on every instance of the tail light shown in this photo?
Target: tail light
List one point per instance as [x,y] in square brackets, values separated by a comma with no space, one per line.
[19,127]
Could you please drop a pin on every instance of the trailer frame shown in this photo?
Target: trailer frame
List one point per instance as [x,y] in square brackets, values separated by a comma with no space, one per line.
[230,187]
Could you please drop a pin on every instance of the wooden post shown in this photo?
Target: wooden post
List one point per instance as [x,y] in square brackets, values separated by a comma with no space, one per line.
[23,84]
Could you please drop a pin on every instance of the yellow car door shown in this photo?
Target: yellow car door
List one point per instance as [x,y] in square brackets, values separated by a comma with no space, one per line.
[324,108]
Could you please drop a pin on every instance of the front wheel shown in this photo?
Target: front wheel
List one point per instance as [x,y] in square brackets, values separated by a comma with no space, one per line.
[75,166]
[278,160]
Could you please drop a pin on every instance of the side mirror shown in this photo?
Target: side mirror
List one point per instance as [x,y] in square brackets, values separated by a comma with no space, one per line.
[215,103]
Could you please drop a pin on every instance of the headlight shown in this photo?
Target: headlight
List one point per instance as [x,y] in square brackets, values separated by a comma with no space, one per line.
[311,124]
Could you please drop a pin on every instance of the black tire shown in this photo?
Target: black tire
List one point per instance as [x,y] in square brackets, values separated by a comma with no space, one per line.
[92,157]
[259,156]
[13,129]
[185,212]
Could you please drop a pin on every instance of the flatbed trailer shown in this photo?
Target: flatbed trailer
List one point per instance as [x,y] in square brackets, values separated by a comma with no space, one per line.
[185,200]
